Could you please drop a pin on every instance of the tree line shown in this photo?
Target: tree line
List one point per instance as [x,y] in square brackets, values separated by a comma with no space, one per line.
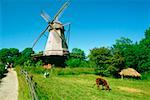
[107,61]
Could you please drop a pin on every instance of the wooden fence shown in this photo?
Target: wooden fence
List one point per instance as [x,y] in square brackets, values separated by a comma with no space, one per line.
[31,84]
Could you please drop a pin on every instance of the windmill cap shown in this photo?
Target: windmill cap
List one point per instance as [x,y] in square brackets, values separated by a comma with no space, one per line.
[57,21]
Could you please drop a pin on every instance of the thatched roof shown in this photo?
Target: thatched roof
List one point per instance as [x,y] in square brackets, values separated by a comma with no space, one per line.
[129,72]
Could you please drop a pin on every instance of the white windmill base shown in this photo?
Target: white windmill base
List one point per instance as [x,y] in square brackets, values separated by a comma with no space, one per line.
[56,52]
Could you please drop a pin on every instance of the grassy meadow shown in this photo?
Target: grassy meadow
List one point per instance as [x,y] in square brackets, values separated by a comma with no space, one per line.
[80,87]
[24,92]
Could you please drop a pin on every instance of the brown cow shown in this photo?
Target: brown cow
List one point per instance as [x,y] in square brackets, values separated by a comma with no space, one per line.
[103,82]
[48,66]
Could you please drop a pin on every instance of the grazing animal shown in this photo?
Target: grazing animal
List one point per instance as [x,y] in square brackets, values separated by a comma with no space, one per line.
[48,66]
[103,82]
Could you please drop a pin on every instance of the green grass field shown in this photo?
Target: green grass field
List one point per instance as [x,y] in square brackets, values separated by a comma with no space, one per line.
[80,87]
[24,92]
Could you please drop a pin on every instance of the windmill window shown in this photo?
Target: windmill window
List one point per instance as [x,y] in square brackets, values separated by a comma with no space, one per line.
[57,28]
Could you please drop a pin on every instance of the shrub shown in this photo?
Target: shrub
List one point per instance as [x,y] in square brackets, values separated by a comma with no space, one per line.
[2,69]
[28,63]
[73,71]
[39,63]
[146,75]
[73,62]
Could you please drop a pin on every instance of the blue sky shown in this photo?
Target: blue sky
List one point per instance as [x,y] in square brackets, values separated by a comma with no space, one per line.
[94,23]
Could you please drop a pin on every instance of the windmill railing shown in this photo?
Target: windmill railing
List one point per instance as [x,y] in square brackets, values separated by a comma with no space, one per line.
[31,84]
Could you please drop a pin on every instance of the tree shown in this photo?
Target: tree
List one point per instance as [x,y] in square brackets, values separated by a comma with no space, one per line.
[100,58]
[25,56]
[147,33]
[2,69]
[77,53]
[27,52]
[9,55]
[146,40]
[144,52]
[14,53]
[117,63]
[121,45]
[4,55]
[131,56]
[77,59]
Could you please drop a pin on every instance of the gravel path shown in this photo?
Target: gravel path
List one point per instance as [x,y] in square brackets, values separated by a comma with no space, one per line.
[9,86]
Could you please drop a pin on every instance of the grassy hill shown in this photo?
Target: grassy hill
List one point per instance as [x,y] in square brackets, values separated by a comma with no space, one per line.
[80,87]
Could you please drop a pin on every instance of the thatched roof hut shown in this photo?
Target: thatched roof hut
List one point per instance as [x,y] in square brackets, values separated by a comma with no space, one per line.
[129,72]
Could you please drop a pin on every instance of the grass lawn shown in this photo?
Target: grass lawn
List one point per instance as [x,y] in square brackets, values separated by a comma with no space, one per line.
[24,92]
[79,87]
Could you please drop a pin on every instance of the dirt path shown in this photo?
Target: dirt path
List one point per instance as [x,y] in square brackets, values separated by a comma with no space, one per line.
[9,86]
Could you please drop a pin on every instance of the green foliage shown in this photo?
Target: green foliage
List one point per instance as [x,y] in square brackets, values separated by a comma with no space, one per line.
[77,53]
[146,41]
[147,33]
[135,55]
[2,69]
[39,63]
[8,55]
[13,55]
[74,71]
[73,62]
[77,59]
[28,63]
[13,51]
[25,56]
[108,62]
[121,45]
[146,75]
[116,64]
[27,52]
[4,54]
[60,71]
[101,58]
[36,68]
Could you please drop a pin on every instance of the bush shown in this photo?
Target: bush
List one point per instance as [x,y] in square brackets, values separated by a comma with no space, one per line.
[35,70]
[39,64]
[28,63]
[73,71]
[146,75]
[2,69]
[74,63]
[60,71]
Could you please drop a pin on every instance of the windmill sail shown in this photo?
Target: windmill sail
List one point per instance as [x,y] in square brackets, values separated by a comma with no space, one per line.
[45,16]
[40,35]
[61,10]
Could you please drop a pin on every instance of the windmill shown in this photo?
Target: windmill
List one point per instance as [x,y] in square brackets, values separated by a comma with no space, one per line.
[56,45]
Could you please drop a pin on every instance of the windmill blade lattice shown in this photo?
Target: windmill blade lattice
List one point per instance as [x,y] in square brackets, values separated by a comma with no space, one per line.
[40,36]
[61,9]
[45,16]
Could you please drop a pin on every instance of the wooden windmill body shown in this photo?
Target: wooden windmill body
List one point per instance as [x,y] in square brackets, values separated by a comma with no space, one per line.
[55,44]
